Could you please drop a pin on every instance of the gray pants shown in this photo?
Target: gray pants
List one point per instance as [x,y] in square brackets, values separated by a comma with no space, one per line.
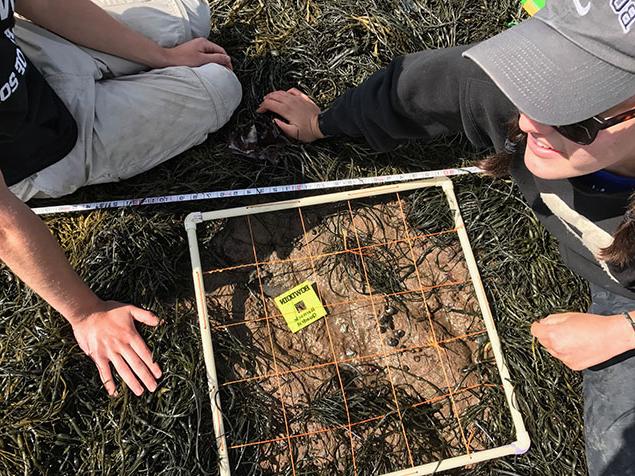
[129,119]
[609,401]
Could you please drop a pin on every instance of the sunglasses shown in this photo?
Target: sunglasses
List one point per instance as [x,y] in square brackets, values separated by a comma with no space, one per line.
[585,132]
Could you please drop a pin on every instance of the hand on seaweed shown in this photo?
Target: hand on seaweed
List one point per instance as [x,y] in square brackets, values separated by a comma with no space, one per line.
[109,336]
[582,340]
[196,52]
[298,110]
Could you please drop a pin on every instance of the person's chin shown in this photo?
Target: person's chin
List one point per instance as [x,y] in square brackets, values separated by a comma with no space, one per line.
[547,169]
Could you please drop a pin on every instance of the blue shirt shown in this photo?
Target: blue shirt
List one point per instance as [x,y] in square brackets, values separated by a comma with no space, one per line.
[608,182]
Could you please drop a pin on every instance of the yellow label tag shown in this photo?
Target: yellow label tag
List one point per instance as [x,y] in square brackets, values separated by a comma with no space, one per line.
[300,306]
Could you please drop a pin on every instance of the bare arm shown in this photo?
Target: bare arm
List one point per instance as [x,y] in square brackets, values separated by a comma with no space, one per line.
[582,340]
[104,330]
[84,23]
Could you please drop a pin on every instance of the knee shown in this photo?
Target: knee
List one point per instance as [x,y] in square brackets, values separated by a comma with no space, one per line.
[231,92]
[198,14]
[224,89]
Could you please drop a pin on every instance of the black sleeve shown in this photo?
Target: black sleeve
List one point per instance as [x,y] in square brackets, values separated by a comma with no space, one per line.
[423,96]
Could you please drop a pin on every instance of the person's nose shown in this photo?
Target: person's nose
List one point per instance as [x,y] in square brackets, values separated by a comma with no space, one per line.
[530,126]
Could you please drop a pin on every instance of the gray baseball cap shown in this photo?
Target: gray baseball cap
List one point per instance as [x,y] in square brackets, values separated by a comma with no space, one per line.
[573,60]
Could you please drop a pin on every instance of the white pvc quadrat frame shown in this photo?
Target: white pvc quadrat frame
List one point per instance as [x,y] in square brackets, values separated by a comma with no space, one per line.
[522,443]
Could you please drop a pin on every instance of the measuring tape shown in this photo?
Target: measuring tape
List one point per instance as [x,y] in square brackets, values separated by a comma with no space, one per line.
[246,192]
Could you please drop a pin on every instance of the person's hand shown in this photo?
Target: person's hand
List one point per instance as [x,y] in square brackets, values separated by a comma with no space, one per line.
[196,52]
[108,336]
[583,340]
[298,109]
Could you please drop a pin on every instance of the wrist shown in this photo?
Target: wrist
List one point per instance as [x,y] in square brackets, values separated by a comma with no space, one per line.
[623,336]
[78,313]
[315,127]
[159,57]
[629,324]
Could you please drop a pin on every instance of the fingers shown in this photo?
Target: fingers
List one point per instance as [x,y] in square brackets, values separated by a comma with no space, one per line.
[123,369]
[139,346]
[127,375]
[537,329]
[109,337]
[278,96]
[279,102]
[219,58]
[298,93]
[289,129]
[272,105]
[544,328]
[211,47]
[147,317]
[540,332]
[105,375]
[139,368]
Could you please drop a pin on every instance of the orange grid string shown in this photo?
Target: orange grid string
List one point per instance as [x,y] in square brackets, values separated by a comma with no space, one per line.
[392,385]
[333,429]
[360,359]
[471,437]
[324,255]
[273,350]
[276,316]
[328,332]
[434,336]
[362,253]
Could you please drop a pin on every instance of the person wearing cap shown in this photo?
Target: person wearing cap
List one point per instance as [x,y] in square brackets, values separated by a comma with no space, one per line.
[555,98]
[95,92]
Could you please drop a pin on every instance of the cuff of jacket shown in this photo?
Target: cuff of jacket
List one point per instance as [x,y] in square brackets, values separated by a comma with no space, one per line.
[327,124]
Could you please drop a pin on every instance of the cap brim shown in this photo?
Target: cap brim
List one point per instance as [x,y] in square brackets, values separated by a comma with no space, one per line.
[548,77]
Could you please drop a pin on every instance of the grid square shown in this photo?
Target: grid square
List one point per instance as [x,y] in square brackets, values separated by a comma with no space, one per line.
[244,351]
[271,458]
[438,266]
[355,331]
[442,427]
[479,363]
[455,310]
[313,400]
[306,348]
[412,386]
[380,443]
[271,241]
[368,392]
[231,245]
[254,423]
[426,211]
[229,292]
[370,221]
[326,452]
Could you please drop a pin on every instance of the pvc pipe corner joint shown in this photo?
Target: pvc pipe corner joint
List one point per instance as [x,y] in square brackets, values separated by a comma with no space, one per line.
[522,444]
[192,220]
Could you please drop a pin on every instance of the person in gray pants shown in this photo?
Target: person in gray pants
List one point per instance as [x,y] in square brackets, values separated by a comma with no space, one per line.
[95,92]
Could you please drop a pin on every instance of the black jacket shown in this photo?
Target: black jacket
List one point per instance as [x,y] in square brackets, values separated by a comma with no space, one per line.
[438,92]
